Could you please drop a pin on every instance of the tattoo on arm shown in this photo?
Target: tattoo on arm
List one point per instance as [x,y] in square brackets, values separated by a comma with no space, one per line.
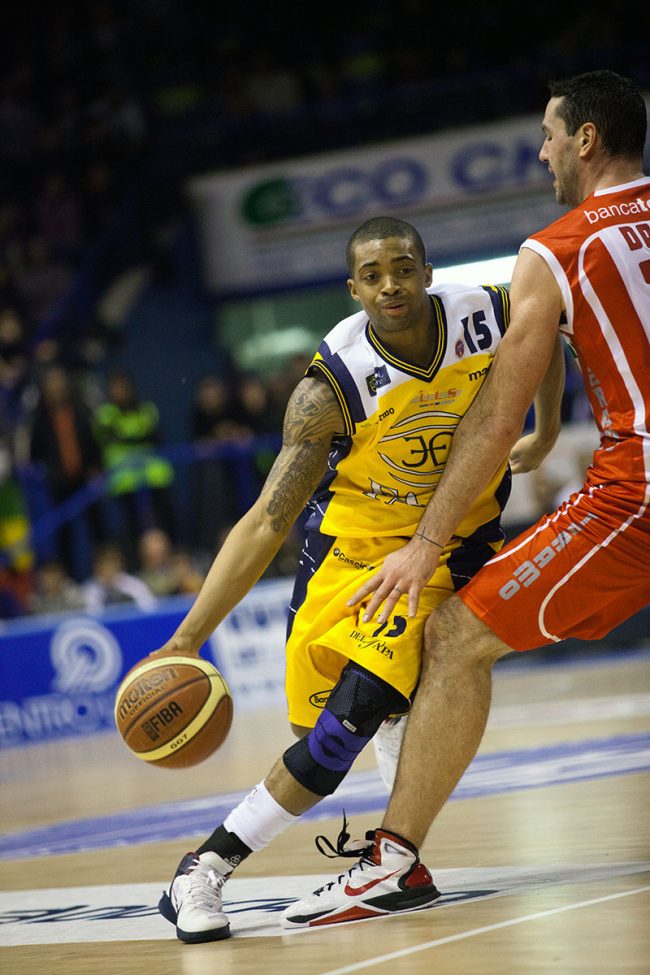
[312,418]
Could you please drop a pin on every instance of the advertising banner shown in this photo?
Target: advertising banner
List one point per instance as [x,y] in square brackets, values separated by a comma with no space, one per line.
[470,192]
[59,674]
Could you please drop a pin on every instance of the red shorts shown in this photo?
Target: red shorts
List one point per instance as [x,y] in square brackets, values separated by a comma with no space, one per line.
[578,572]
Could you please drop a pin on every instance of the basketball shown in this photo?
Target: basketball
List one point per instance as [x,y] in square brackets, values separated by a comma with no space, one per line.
[173,711]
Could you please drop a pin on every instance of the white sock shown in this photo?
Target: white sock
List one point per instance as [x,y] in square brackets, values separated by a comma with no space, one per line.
[258,818]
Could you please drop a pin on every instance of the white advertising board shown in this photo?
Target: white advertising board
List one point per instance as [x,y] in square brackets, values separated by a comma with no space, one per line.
[470,192]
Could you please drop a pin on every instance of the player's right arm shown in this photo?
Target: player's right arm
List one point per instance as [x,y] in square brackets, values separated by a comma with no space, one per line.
[312,418]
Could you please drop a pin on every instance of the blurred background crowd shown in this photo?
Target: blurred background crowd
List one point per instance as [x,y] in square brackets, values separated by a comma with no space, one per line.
[106,109]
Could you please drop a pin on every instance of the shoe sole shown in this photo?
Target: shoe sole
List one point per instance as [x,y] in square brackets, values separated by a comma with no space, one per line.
[202,937]
[358,912]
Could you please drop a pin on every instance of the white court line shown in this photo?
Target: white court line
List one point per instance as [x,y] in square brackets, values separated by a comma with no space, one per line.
[404,952]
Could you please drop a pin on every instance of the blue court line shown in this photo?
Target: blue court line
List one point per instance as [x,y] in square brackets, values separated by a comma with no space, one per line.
[361,792]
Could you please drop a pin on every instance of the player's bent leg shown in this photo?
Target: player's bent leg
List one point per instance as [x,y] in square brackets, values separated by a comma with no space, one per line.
[355,709]
[311,768]
[451,706]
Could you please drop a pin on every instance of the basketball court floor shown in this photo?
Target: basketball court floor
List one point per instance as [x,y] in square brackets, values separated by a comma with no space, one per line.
[542,855]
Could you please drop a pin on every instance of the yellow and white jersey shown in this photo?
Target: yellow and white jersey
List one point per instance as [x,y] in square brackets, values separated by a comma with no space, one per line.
[400,419]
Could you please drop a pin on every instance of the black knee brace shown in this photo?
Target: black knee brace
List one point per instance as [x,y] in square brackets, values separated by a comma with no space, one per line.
[355,709]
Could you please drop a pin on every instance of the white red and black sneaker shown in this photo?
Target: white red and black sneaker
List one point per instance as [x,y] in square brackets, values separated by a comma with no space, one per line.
[387,879]
[194,901]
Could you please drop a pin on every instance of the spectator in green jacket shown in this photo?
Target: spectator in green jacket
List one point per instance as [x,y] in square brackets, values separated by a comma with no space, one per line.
[139,477]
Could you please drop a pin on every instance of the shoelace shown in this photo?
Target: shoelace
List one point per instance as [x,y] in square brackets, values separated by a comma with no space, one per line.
[205,882]
[355,849]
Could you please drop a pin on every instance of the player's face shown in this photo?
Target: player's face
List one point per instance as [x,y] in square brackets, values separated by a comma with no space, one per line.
[389,281]
[560,153]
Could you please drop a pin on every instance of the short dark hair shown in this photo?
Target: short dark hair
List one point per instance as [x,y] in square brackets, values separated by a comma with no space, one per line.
[379,228]
[613,103]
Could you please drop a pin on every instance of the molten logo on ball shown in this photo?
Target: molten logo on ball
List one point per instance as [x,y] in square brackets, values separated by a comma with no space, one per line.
[141,691]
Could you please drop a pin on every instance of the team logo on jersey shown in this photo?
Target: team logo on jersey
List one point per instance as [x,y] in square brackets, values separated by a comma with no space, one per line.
[439,397]
[320,699]
[378,379]
[415,451]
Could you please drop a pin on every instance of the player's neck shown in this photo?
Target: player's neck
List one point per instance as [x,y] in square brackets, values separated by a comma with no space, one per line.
[414,345]
[613,172]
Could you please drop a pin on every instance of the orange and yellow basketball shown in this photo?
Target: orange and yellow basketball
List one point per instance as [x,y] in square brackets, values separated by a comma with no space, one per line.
[173,711]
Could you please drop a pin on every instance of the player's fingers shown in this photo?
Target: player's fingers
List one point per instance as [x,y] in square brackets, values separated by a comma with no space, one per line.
[390,603]
[364,591]
[414,599]
[377,599]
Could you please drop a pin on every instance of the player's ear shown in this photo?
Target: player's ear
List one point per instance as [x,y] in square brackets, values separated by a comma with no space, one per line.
[588,138]
[428,274]
[353,290]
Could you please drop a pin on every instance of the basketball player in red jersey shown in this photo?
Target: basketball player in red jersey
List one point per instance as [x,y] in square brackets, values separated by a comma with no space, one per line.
[579,571]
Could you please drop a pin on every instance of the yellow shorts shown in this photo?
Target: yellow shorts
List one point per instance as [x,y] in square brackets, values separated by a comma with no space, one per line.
[325,633]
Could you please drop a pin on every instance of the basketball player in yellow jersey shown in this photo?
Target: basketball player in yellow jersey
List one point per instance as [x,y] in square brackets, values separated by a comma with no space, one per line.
[366,435]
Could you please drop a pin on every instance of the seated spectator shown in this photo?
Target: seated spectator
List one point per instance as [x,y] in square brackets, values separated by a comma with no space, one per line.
[189,577]
[110,584]
[156,556]
[258,417]
[214,421]
[55,591]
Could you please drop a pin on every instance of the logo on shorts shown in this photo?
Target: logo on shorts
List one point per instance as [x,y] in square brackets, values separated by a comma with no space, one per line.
[342,557]
[320,698]
[367,642]
[529,571]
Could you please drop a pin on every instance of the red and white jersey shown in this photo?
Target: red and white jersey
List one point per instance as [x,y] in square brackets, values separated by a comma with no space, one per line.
[599,254]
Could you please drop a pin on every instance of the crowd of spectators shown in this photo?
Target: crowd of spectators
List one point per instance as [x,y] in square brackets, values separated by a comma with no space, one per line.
[97,476]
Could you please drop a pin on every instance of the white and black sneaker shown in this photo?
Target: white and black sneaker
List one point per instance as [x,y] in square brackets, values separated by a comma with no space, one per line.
[194,901]
[388,879]
[387,743]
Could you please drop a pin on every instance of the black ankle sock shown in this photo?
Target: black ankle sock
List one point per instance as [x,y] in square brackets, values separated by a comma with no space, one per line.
[227,845]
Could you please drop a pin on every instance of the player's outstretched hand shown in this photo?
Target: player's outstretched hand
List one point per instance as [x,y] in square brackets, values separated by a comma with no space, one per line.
[528,453]
[405,571]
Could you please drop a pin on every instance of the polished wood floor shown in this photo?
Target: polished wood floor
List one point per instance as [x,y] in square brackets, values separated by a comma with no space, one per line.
[557,836]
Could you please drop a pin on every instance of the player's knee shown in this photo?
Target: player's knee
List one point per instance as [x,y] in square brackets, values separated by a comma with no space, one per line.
[355,709]
[455,637]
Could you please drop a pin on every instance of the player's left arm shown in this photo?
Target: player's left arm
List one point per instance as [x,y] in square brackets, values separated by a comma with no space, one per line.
[312,419]
[531,449]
